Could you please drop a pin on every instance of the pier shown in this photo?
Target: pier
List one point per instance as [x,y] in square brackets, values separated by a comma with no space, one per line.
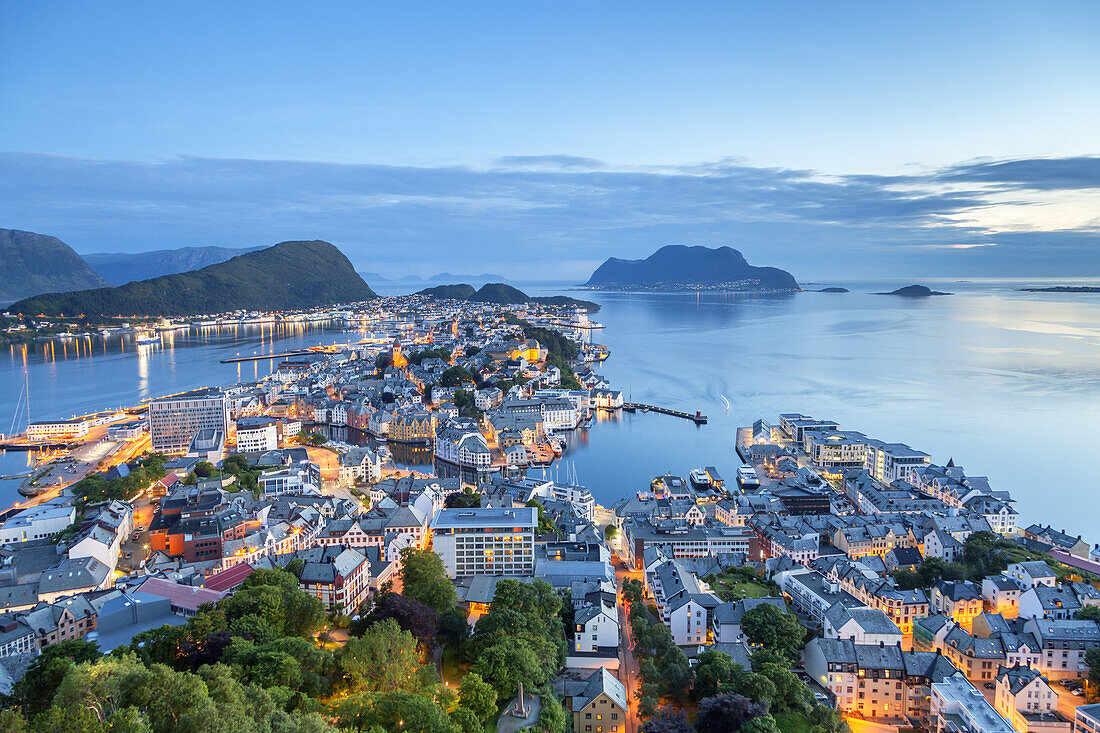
[698,418]
[262,357]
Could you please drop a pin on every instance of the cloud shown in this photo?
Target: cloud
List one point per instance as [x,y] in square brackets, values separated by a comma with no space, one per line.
[559,216]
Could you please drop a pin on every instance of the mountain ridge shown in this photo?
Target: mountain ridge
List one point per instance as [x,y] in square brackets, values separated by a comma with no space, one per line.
[501,294]
[287,276]
[119,268]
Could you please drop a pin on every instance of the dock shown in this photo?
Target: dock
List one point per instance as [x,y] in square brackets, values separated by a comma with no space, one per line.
[698,418]
[264,357]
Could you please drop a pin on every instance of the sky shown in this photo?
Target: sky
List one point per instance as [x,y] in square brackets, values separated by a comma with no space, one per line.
[834,140]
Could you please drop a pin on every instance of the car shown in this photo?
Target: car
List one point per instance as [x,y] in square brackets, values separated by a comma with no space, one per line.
[1078,692]
[989,686]
[821,697]
[129,555]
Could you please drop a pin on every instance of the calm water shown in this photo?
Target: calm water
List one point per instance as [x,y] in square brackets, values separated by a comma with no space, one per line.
[1006,383]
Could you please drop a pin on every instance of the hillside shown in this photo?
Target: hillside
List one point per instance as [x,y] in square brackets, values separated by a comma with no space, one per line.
[290,275]
[118,268]
[484,277]
[502,294]
[679,266]
[449,292]
[38,263]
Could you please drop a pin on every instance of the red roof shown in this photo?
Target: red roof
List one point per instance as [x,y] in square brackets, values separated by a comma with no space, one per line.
[1075,562]
[182,596]
[169,480]
[229,579]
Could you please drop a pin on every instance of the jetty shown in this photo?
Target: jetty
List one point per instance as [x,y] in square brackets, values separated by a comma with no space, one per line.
[264,357]
[698,418]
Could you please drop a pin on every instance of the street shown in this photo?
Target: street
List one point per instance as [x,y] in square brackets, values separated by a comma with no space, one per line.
[628,663]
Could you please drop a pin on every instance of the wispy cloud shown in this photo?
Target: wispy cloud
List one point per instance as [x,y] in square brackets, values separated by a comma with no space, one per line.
[560,215]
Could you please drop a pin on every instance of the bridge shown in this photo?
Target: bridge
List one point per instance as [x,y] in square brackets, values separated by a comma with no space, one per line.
[698,418]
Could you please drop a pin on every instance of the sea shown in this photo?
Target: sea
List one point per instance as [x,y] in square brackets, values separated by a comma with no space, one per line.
[1005,383]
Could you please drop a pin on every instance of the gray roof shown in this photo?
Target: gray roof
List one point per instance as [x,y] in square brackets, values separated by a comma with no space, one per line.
[600,682]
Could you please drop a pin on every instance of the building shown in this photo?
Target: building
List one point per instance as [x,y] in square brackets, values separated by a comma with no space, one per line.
[131,430]
[257,434]
[486,541]
[1064,645]
[72,429]
[1025,698]
[174,420]
[598,704]
[340,577]
[37,522]
[1086,719]
[360,465]
[956,707]
[304,478]
[412,426]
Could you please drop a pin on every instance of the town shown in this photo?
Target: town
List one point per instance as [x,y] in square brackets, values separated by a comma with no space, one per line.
[372,519]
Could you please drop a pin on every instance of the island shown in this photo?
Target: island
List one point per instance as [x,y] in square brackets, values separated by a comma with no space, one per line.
[503,294]
[289,275]
[1061,289]
[832,290]
[913,291]
[680,267]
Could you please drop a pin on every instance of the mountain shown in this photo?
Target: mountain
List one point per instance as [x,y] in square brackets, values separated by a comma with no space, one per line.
[449,292]
[290,275]
[677,266]
[38,263]
[502,294]
[913,291]
[123,267]
[373,276]
[485,277]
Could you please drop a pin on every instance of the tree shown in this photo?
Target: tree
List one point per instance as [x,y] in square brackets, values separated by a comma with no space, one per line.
[383,660]
[712,670]
[1088,613]
[452,629]
[1092,659]
[610,533]
[478,696]
[36,689]
[768,627]
[726,713]
[791,693]
[205,469]
[760,724]
[412,616]
[466,499]
[675,673]
[667,721]
[269,604]
[552,718]
[424,579]
[632,591]
[546,525]
[392,712]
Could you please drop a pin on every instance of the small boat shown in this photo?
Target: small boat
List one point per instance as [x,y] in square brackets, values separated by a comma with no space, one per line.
[145,337]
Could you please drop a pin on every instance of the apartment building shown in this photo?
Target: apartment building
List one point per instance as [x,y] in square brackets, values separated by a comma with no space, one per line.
[174,420]
[486,541]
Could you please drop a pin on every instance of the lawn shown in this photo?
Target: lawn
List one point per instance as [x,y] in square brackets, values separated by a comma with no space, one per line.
[793,723]
[733,587]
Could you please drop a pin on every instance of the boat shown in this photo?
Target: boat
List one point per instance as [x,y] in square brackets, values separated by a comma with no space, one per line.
[699,479]
[145,337]
[747,478]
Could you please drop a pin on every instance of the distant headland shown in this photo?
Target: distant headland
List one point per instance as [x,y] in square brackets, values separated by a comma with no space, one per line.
[913,291]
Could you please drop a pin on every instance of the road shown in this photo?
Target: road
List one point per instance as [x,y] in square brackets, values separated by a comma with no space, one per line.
[628,663]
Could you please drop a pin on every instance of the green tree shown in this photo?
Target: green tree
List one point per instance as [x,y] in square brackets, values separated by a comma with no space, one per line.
[610,533]
[760,724]
[546,525]
[1088,613]
[36,689]
[1092,659]
[768,627]
[392,712]
[205,469]
[424,579]
[385,659]
[478,696]
[552,718]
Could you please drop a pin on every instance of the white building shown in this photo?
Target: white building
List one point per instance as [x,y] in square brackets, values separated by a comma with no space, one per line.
[257,434]
[58,429]
[174,420]
[462,447]
[301,479]
[486,541]
[957,707]
[37,522]
[595,626]
[360,465]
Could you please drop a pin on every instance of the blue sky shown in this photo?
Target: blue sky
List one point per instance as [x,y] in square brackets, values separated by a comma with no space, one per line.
[937,138]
